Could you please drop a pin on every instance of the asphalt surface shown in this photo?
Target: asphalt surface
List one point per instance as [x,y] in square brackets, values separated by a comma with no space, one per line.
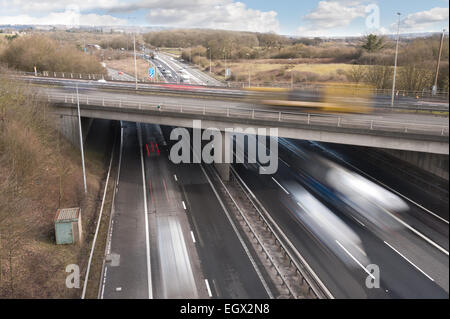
[426,194]
[175,266]
[225,263]
[194,250]
[175,68]
[126,276]
[118,76]
[415,234]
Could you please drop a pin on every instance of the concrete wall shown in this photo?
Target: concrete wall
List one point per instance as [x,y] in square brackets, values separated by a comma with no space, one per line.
[68,126]
[436,164]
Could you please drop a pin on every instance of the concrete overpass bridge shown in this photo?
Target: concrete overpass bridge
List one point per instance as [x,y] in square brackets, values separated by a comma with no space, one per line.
[397,131]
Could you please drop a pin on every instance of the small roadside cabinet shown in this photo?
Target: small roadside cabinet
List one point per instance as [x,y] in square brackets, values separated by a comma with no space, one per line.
[68,226]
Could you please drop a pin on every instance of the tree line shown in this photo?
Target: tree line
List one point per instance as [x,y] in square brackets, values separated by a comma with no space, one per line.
[26,52]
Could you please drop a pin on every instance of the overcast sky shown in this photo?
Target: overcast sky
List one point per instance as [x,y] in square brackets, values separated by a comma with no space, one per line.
[293,17]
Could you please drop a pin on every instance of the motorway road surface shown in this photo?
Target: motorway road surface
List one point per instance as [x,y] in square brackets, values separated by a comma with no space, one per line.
[194,250]
[126,275]
[225,263]
[176,68]
[176,268]
[422,239]
[333,261]
[426,194]
[151,252]
[115,75]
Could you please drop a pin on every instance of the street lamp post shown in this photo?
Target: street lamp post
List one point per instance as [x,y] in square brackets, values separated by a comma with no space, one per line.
[249,75]
[395,62]
[210,61]
[225,60]
[434,90]
[81,142]
[135,65]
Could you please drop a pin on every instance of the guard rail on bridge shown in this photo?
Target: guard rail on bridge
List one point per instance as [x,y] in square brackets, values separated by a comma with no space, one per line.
[346,121]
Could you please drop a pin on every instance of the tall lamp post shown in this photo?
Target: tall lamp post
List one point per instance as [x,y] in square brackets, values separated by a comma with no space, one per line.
[135,65]
[81,142]
[395,62]
[210,61]
[249,75]
[434,90]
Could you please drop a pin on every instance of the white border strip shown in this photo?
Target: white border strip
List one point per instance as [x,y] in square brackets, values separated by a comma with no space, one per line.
[208,288]
[409,261]
[354,258]
[284,189]
[147,240]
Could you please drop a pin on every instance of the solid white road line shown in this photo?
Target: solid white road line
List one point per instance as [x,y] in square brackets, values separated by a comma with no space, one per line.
[120,154]
[415,231]
[356,260]
[280,186]
[208,288]
[147,240]
[409,261]
[104,282]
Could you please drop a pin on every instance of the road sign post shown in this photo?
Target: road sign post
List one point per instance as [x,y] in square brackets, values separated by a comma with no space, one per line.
[151,73]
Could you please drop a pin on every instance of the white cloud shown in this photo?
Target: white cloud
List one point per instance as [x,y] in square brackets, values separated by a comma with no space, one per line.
[431,20]
[219,15]
[68,17]
[48,6]
[331,15]
[223,14]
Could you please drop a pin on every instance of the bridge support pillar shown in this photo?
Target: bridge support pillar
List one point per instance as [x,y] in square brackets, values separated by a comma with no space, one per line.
[223,168]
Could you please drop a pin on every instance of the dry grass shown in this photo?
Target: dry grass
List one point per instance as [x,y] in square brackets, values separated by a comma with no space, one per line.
[322,68]
[33,157]
[268,70]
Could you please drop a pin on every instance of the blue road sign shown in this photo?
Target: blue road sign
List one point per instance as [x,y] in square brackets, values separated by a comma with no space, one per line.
[151,72]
